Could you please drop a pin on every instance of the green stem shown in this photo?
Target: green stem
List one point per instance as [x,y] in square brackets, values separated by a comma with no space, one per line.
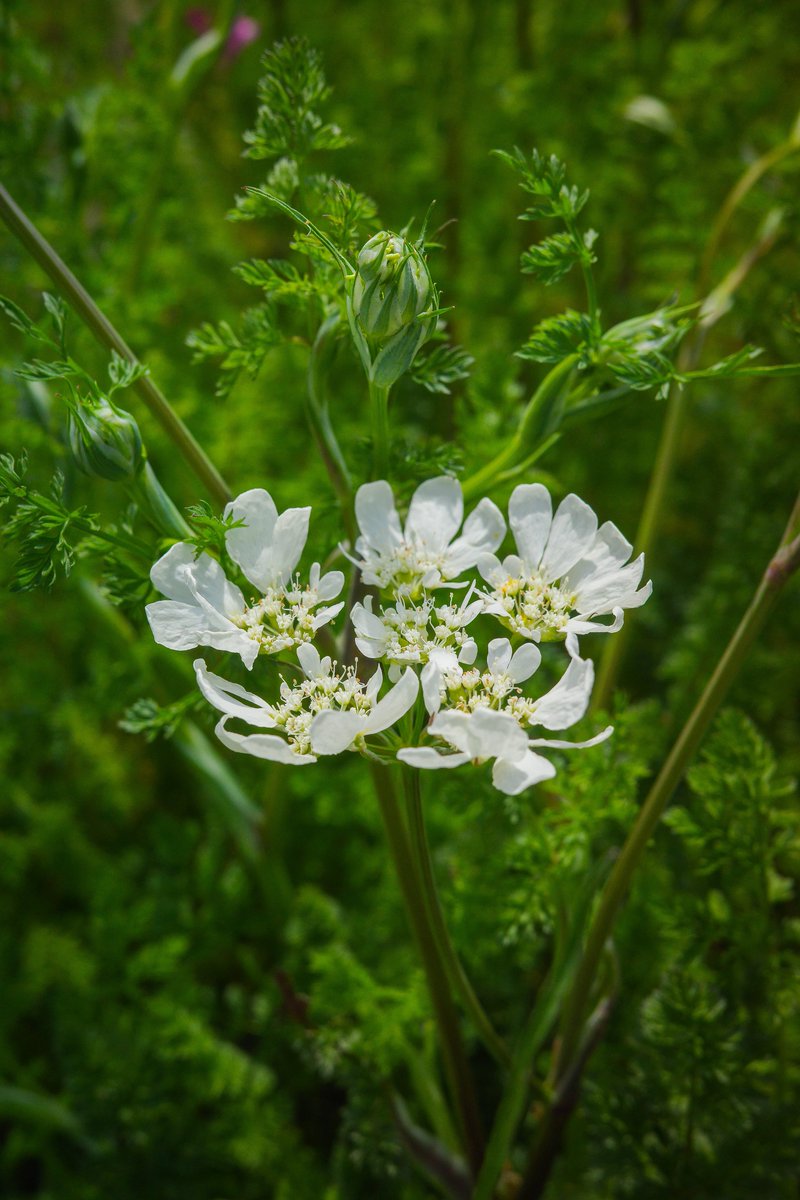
[107,336]
[319,420]
[669,443]
[379,409]
[779,570]
[536,425]
[457,1071]
[164,514]
[447,951]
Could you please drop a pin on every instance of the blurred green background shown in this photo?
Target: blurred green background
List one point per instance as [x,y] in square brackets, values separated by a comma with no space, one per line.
[206,977]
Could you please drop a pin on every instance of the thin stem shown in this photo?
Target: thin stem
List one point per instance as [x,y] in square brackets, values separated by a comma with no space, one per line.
[447,951]
[457,1072]
[535,427]
[379,409]
[578,1039]
[780,568]
[672,430]
[319,420]
[83,304]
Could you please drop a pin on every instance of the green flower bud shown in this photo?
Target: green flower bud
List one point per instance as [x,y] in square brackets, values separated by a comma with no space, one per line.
[392,286]
[105,440]
[391,293]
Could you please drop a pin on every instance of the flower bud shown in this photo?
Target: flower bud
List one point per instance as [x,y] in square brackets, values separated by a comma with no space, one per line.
[391,306]
[392,286]
[105,440]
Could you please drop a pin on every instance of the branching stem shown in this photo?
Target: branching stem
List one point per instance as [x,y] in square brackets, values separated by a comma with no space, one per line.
[83,304]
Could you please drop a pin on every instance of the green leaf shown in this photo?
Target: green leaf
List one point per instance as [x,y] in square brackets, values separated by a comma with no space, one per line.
[21,321]
[553,258]
[38,369]
[291,90]
[556,337]
[440,367]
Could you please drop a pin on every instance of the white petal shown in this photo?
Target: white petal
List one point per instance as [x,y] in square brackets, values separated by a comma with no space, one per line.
[377,516]
[227,698]
[374,684]
[250,545]
[429,759]
[394,705]
[261,745]
[524,662]
[607,552]
[498,656]
[484,530]
[530,513]
[288,542]
[435,512]
[555,744]
[168,574]
[211,587]
[366,624]
[330,585]
[468,652]
[514,777]
[323,615]
[431,680]
[496,735]
[309,659]
[371,647]
[567,702]
[576,627]
[453,727]
[177,626]
[185,627]
[332,732]
[600,593]
[490,569]
[571,533]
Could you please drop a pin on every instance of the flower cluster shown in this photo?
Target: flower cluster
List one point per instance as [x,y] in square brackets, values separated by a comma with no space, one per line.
[437,582]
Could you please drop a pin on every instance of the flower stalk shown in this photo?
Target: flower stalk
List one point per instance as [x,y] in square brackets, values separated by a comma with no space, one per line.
[455,969]
[457,1071]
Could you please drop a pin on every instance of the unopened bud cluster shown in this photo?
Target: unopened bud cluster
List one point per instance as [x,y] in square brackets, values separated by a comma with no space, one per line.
[393,302]
[105,440]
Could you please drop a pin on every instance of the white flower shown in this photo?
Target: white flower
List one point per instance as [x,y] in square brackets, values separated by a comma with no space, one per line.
[489,715]
[566,571]
[427,551]
[203,608]
[328,711]
[416,633]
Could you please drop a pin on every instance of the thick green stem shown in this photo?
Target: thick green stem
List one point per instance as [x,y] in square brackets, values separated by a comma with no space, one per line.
[447,951]
[783,563]
[457,1071]
[107,336]
[379,410]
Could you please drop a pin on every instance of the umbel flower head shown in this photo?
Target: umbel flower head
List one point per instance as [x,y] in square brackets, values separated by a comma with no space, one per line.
[392,305]
[426,551]
[329,710]
[203,608]
[566,572]
[487,717]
